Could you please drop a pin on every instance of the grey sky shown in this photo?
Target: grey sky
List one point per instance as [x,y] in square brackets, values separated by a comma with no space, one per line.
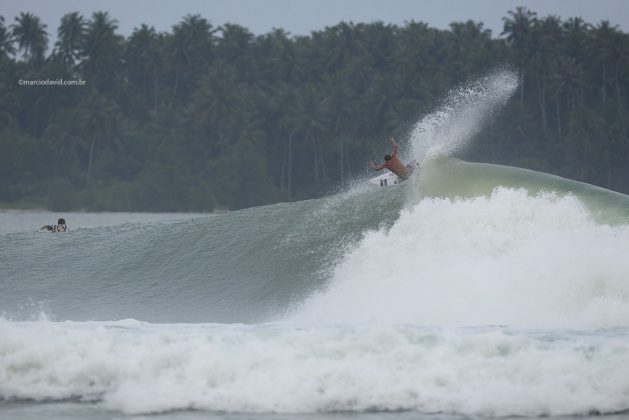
[300,17]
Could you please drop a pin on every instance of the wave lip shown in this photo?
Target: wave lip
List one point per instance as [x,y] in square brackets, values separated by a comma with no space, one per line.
[288,368]
[450,177]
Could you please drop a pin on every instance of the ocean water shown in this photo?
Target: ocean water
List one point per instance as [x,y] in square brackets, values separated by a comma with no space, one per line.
[469,291]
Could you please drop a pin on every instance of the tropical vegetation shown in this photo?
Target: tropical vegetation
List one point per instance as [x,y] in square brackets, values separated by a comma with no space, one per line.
[207,117]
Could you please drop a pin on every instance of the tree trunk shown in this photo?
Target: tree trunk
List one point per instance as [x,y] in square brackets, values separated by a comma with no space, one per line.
[341,160]
[558,118]
[144,88]
[620,109]
[581,94]
[176,83]
[290,165]
[609,178]
[522,89]
[315,160]
[155,90]
[618,96]
[283,171]
[542,101]
[583,156]
[89,161]
[321,160]
[604,83]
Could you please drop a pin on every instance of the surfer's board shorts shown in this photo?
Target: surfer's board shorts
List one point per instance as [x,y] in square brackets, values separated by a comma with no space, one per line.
[411,167]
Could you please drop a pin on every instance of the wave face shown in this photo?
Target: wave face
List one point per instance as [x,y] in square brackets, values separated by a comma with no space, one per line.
[550,252]
[244,266]
[471,289]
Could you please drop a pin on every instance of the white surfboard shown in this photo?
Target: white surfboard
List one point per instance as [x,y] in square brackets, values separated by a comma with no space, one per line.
[386,180]
[390,179]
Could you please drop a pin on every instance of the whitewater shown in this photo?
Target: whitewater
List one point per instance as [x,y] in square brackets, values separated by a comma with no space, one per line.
[470,290]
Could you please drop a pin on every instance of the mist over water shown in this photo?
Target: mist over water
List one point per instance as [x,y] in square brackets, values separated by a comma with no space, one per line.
[469,290]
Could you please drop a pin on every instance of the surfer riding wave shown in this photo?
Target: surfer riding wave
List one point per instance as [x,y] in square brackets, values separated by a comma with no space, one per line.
[393,163]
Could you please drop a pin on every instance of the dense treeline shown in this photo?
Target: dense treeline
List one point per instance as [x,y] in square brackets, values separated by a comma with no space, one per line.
[207,117]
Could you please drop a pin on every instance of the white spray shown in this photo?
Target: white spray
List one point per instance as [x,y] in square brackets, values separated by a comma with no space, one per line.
[464,111]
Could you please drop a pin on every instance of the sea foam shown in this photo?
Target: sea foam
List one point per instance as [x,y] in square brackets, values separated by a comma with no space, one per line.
[508,259]
[287,368]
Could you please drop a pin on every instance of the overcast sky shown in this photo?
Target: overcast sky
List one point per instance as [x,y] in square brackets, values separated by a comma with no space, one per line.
[300,17]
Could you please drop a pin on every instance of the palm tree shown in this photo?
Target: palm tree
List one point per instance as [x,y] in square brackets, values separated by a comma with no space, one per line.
[344,44]
[576,32]
[248,148]
[215,102]
[98,120]
[65,132]
[8,99]
[6,42]
[518,27]
[284,63]
[102,51]
[601,46]
[341,117]
[412,42]
[31,37]
[379,42]
[71,38]
[468,49]
[144,59]
[308,120]
[544,45]
[565,82]
[191,46]
[234,45]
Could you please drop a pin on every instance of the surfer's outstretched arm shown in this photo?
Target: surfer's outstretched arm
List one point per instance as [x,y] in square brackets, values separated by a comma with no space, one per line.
[375,167]
[395,146]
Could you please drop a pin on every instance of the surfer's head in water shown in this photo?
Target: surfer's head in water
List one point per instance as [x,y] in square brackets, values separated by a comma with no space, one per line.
[392,163]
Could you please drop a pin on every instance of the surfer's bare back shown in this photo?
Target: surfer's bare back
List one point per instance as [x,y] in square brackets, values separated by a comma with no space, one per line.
[392,163]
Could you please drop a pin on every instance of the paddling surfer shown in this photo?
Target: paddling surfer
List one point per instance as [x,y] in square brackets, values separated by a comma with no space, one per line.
[59,227]
[392,163]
